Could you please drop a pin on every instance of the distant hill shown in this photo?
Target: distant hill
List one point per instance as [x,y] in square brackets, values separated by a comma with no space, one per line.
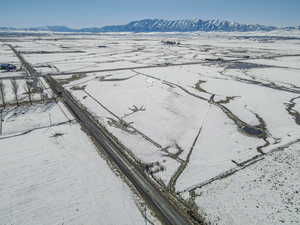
[159,25]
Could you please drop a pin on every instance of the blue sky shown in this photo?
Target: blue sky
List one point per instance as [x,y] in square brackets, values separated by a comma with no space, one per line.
[86,13]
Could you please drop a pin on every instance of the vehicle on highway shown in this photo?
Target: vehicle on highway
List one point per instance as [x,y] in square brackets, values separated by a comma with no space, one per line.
[8,67]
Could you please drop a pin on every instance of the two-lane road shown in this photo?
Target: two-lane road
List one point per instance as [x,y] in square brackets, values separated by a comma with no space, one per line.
[167,210]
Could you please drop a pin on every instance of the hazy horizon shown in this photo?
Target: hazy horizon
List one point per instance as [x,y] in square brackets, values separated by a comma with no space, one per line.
[93,13]
[124,23]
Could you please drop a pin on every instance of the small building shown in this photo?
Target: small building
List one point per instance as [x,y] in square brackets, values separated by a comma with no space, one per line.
[8,67]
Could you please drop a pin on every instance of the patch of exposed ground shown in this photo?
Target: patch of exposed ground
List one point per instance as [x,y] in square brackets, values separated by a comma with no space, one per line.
[70,79]
[104,78]
[290,109]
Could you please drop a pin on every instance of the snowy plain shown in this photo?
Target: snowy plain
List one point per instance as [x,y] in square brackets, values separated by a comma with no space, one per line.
[52,174]
[191,119]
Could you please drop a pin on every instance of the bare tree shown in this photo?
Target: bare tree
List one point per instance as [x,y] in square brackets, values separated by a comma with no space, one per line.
[42,96]
[2,93]
[28,91]
[15,89]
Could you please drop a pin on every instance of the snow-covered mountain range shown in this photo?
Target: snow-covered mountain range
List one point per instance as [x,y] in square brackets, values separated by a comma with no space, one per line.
[150,25]
[160,25]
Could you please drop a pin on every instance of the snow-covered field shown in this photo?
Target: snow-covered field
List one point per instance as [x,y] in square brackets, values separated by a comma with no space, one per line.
[52,174]
[212,127]
[265,193]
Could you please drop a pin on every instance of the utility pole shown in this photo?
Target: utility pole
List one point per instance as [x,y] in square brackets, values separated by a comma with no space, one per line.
[50,121]
[1,121]
[145,214]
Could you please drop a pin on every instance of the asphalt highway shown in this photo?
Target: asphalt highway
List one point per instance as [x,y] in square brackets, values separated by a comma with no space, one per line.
[166,209]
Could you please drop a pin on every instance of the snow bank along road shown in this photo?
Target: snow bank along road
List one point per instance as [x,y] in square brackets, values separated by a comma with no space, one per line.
[164,208]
